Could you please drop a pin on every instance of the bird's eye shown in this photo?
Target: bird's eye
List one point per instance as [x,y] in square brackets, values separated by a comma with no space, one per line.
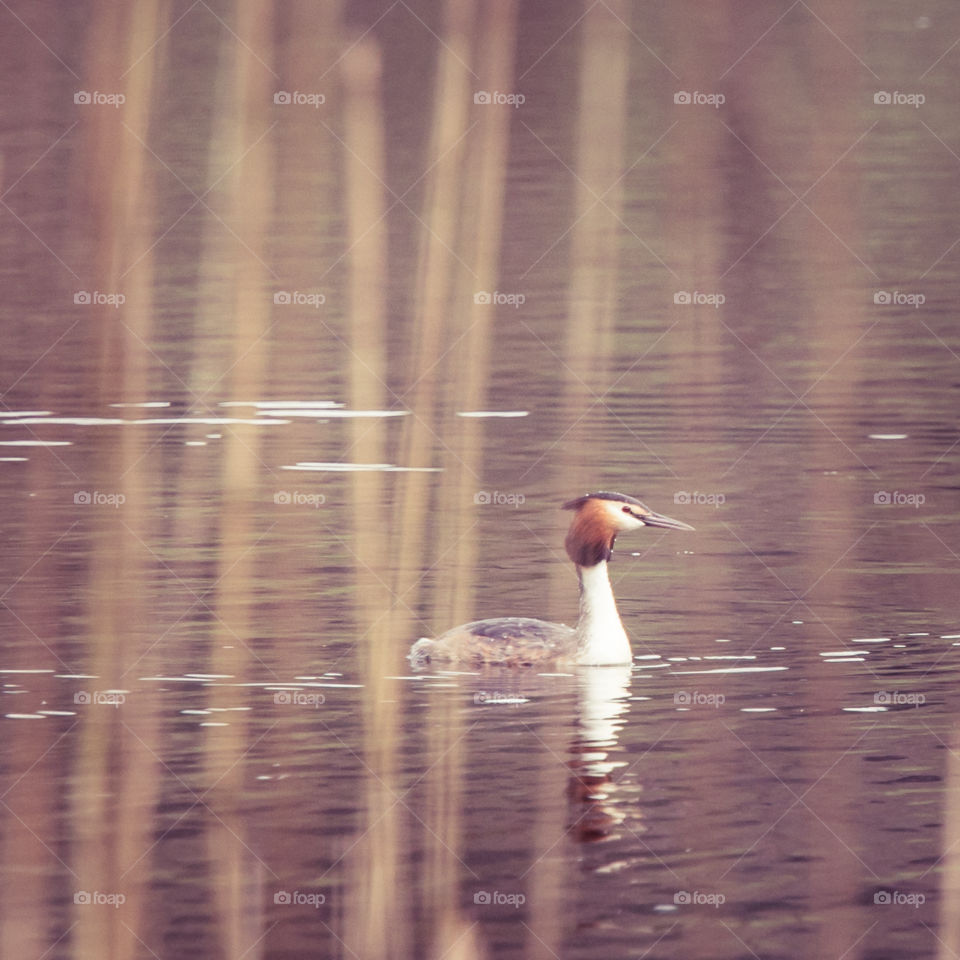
[627,510]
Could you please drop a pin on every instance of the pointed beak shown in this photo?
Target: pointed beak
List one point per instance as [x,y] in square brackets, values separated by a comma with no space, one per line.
[668,523]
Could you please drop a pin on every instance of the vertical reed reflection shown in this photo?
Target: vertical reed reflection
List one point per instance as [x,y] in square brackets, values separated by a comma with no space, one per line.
[434,286]
[836,322]
[798,135]
[948,933]
[311,242]
[589,343]
[696,222]
[440,295]
[29,809]
[244,91]
[596,237]
[588,351]
[696,219]
[471,326]
[473,190]
[116,781]
[376,909]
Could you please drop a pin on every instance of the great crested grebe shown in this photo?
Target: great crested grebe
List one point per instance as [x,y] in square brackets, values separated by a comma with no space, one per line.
[599,638]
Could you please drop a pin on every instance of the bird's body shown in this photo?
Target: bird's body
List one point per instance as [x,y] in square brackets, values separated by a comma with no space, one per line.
[598,638]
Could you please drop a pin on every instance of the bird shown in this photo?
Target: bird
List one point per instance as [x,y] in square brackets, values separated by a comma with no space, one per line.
[599,638]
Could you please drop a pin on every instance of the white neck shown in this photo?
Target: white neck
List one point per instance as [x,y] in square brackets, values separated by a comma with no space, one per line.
[601,639]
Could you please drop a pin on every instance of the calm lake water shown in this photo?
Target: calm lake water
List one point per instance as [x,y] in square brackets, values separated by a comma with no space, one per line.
[706,256]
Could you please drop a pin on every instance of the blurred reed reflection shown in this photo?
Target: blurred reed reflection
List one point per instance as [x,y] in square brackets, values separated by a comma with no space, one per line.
[441,314]
[447,369]
[244,200]
[376,907]
[587,364]
[588,359]
[948,935]
[116,777]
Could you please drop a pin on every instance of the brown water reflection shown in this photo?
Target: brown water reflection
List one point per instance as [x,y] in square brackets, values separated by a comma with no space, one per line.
[304,342]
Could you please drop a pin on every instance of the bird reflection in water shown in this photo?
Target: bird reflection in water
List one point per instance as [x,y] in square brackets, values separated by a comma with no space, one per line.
[604,693]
